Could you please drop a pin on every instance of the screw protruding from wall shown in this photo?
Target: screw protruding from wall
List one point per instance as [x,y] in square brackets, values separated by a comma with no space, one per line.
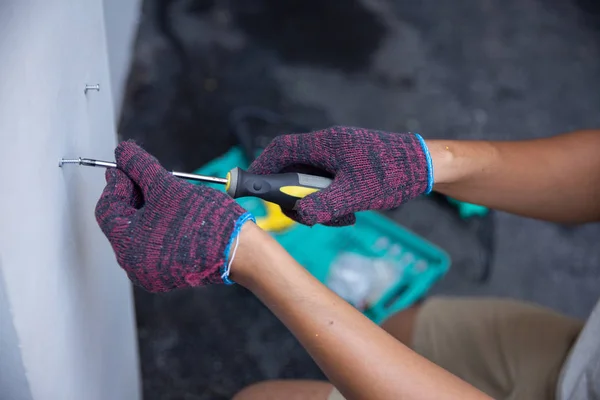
[95,87]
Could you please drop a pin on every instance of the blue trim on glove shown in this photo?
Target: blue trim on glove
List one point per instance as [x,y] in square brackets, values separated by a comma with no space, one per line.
[236,231]
[429,164]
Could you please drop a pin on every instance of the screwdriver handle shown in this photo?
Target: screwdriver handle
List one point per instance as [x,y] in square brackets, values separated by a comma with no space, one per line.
[283,189]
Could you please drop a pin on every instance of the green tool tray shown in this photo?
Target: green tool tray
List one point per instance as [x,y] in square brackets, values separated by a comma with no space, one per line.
[373,237]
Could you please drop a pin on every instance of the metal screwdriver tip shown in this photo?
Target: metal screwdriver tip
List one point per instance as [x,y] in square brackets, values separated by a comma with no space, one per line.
[88,162]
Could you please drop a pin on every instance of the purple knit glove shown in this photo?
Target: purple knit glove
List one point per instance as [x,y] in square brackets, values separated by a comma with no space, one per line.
[166,232]
[372,170]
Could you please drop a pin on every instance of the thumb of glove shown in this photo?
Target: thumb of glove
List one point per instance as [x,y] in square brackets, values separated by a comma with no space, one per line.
[327,207]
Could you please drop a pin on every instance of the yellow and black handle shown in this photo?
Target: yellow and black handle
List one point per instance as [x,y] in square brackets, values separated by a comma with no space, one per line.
[283,189]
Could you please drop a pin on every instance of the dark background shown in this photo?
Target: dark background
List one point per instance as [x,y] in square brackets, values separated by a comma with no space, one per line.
[461,69]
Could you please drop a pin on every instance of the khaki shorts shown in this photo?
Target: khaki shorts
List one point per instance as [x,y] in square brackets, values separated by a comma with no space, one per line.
[508,349]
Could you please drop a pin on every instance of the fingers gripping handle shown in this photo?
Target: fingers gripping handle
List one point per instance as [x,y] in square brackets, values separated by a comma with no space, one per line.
[283,189]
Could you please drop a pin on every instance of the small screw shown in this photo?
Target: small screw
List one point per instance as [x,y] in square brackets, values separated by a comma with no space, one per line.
[95,87]
[64,161]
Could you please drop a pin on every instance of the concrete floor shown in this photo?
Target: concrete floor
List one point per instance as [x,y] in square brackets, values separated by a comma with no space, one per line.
[463,69]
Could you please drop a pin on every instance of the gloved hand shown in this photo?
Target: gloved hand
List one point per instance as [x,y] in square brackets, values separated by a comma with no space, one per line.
[166,232]
[372,170]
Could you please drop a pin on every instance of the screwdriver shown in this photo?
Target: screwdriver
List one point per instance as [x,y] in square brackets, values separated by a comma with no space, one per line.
[282,189]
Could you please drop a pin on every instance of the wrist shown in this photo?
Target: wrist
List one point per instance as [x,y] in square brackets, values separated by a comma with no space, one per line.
[458,161]
[232,246]
[443,161]
[253,244]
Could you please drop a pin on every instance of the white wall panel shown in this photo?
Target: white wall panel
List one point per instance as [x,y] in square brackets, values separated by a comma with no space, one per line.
[70,304]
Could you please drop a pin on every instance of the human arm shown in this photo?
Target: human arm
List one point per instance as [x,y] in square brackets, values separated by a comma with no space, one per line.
[555,179]
[167,233]
[358,357]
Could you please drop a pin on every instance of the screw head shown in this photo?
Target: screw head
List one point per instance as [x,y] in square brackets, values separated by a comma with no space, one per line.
[95,87]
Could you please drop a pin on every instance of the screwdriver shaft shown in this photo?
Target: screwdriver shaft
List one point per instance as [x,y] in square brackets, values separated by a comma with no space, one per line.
[108,164]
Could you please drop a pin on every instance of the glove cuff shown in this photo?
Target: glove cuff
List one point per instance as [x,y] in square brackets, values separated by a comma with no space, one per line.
[429,164]
[226,268]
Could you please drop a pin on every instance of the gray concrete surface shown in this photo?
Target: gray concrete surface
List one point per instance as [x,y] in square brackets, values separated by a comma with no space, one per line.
[463,69]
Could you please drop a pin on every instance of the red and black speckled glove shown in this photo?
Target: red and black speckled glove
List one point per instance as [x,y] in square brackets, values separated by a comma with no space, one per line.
[166,232]
[372,170]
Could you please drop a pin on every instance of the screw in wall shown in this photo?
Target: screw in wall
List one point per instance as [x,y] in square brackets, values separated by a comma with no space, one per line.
[95,87]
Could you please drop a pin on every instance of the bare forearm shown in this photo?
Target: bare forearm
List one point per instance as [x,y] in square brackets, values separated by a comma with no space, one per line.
[555,179]
[358,357]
